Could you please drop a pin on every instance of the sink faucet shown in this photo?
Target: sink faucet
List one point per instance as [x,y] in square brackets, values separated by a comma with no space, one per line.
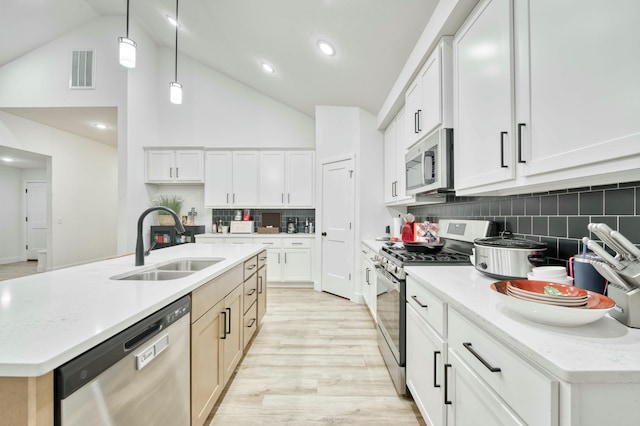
[140,242]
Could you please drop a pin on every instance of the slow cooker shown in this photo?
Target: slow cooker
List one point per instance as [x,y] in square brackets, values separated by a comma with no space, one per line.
[507,257]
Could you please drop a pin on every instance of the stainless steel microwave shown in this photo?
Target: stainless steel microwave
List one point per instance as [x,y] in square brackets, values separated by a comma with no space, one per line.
[429,164]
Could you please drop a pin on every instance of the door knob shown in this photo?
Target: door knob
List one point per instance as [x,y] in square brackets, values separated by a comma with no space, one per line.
[324,234]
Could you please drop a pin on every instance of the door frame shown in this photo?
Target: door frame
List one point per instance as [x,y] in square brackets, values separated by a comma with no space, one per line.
[49,220]
[320,219]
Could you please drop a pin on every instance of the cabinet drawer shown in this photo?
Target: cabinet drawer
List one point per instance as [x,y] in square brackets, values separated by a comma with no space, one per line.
[269,242]
[207,295]
[296,243]
[429,307]
[530,393]
[262,259]
[250,294]
[239,240]
[250,266]
[250,320]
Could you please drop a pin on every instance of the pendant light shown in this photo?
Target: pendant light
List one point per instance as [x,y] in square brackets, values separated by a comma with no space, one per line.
[175,88]
[127,47]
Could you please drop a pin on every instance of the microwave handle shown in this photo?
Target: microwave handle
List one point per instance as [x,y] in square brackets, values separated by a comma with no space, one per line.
[427,160]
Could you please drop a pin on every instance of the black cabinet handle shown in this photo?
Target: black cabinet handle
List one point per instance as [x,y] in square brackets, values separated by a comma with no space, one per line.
[171,172]
[520,126]
[224,329]
[502,135]
[227,198]
[419,302]
[435,368]
[415,122]
[366,276]
[324,234]
[177,174]
[446,384]
[260,284]
[418,115]
[491,368]
[253,321]
[252,292]
[229,310]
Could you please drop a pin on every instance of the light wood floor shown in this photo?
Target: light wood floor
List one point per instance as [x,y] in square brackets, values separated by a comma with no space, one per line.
[16,270]
[314,361]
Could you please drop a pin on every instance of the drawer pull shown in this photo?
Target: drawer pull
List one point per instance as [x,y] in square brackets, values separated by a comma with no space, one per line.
[229,318]
[251,267]
[253,321]
[296,244]
[224,329]
[262,259]
[435,368]
[252,292]
[419,302]
[467,345]
[260,284]
[446,384]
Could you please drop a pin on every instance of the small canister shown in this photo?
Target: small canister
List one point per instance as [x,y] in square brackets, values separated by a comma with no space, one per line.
[584,274]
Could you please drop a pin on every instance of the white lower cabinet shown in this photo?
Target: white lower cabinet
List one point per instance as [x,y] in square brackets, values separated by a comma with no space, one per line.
[460,375]
[426,356]
[369,279]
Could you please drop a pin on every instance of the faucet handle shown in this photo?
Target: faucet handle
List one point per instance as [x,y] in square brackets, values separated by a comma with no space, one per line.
[153,244]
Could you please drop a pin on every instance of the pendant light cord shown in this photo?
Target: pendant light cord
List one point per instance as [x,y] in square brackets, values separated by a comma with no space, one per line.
[127,18]
[176,61]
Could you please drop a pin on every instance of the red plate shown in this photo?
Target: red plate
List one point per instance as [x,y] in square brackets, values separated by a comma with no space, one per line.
[535,286]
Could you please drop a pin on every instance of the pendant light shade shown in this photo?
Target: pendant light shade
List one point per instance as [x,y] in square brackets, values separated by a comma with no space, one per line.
[175,92]
[175,88]
[127,52]
[127,47]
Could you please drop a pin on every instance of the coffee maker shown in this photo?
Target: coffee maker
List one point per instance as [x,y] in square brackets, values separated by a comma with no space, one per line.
[292,225]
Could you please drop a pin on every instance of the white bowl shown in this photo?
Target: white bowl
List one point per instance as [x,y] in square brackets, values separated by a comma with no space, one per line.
[549,271]
[555,315]
[560,280]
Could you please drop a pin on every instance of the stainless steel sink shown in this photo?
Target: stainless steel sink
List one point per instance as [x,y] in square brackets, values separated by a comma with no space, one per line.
[155,275]
[189,264]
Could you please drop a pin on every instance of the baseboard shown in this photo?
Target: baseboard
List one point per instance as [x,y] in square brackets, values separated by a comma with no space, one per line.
[282,284]
[13,259]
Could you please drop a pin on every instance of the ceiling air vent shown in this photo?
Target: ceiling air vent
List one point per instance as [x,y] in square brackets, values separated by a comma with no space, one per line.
[83,65]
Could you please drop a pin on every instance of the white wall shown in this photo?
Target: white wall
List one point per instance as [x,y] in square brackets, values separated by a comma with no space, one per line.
[83,189]
[10,194]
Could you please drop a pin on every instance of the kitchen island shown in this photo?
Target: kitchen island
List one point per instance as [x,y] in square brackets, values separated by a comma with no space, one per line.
[48,319]
[587,375]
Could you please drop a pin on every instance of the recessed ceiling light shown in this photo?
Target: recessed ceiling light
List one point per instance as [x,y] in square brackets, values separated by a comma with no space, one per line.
[172,20]
[268,68]
[7,159]
[326,48]
[100,126]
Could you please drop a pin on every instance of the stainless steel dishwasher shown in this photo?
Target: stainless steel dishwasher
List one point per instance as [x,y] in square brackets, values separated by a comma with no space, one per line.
[138,377]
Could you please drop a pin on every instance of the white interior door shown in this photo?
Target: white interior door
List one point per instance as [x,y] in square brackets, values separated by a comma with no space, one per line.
[337,228]
[36,203]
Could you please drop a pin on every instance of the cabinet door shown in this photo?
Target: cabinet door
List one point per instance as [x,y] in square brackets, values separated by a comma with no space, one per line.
[483,97]
[274,265]
[217,182]
[245,179]
[262,293]
[577,101]
[413,105]
[233,343]
[400,153]
[297,265]
[390,164]
[160,166]
[472,402]
[206,351]
[271,181]
[430,80]
[189,166]
[300,179]
[426,354]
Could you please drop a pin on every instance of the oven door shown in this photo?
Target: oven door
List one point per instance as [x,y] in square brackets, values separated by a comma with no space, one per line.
[391,313]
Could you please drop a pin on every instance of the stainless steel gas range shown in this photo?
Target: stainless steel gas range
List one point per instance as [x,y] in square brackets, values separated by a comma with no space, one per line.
[457,236]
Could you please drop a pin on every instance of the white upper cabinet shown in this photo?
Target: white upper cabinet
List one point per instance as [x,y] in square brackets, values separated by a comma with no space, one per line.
[245,178]
[259,179]
[218,179]
[300,181]
[271,181]
[174,166]
[428,99]
[546,95]
[394,161]
[482,97]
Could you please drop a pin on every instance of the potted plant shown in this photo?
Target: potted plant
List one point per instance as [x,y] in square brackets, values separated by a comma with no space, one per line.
[172,202]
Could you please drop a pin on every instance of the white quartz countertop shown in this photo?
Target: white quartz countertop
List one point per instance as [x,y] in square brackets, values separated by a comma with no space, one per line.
[255,234]
[48,319]
[374,244]
[605,351]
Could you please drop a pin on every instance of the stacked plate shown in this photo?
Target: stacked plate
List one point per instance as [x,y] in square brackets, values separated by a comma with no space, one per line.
[548,293]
